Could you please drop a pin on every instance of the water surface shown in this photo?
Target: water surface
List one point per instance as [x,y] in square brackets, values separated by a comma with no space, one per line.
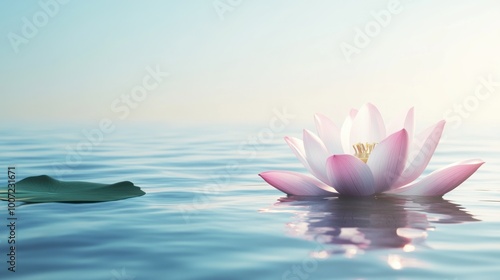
[207,215]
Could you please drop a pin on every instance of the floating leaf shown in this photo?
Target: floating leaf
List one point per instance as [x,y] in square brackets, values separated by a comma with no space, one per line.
[47,189]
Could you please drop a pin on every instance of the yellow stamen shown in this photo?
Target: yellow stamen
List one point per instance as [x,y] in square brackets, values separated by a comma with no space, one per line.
[363,150]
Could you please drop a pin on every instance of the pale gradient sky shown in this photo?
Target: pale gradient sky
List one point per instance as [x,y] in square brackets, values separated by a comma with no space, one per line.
[263,55]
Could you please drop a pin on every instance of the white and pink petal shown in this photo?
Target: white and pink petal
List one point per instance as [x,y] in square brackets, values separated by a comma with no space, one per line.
[367,126]
[345,131]
[297,147]
[406,121]
[388,159]
[420,154]
[410,124]
[441,181]
[316,155]
[293,183]
[350,176]
[329,133]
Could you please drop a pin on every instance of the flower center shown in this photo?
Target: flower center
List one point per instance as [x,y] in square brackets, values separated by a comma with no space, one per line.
[363,150]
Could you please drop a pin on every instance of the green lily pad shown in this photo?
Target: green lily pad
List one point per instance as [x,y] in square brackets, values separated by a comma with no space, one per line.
[47,189]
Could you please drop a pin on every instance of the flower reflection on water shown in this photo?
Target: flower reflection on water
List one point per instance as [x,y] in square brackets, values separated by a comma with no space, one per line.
[350,226]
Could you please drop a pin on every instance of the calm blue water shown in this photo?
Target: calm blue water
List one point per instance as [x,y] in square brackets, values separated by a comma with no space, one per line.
[207,215]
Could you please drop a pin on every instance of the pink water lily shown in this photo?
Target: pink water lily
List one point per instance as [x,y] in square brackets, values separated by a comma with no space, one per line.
[364,157]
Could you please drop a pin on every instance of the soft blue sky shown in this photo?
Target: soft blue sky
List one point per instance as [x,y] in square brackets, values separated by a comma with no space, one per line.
[262,55]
